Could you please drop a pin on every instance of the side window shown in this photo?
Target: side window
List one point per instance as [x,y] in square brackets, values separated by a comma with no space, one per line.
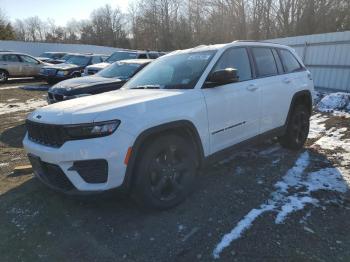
[236,58]
[28,59]
[10,58]
[153,55]
[278,61]
[96,60]
[265,62]
[142,56]
[290,63]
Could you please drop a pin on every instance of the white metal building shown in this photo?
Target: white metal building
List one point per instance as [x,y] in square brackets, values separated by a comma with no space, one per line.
[35,48]
[327,56]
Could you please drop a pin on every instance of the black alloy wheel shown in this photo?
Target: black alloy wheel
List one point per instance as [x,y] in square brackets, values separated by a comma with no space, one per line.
[165,172]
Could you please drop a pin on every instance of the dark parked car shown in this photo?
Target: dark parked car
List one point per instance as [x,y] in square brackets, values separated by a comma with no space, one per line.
[49,56]
[72,67]
[111,78]
[62,59]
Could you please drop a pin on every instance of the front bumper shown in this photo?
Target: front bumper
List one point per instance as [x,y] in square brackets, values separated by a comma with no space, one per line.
[53,78]
[64,159]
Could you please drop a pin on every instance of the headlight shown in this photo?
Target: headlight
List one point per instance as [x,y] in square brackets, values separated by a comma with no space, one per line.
[86,71]
[83,131]
[62,73]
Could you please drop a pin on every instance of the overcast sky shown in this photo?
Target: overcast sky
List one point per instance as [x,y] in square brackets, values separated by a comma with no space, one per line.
[60,10]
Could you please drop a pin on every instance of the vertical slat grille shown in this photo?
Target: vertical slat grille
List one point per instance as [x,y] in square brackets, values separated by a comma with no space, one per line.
[49,135]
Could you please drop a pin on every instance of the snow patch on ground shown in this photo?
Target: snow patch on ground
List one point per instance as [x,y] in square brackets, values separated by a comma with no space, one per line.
[333,139]
[242,226]
[339,103]
[12,99]
[8,108]
[292,193]
[4,164]
[317,126]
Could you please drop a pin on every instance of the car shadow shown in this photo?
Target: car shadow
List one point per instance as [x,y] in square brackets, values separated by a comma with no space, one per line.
[13,136]
[108,227]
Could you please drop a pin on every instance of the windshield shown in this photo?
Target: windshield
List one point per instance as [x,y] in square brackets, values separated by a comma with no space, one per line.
[78,60]
[119,70]
[120,56]
[66,57]
[48,55]
[180,71]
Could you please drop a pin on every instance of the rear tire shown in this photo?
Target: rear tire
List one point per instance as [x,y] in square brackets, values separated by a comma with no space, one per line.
[3,76]
[297,128]
[165,172]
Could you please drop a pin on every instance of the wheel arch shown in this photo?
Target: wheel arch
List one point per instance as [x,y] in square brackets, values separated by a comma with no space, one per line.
[301,97]
[184,128]
[7,72]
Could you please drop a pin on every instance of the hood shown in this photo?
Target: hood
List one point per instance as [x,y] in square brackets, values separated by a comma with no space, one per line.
[42,58]
[99,65]
[110,105]
[64,66]
[82,82]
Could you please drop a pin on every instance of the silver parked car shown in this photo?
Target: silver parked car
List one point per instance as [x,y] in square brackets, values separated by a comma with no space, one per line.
[14,64]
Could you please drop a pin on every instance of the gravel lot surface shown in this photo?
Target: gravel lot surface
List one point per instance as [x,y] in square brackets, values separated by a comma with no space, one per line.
[264,203]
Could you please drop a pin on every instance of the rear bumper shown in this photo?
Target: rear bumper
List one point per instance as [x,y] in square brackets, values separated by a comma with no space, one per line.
[54,163]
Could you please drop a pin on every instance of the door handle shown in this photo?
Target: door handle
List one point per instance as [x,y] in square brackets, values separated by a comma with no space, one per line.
[287,80]
[252,87]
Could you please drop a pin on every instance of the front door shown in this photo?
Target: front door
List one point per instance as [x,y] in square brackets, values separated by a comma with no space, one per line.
[31,67]
[233,109]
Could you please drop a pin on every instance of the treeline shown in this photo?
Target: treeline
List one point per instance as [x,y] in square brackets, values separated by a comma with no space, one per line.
[176,24]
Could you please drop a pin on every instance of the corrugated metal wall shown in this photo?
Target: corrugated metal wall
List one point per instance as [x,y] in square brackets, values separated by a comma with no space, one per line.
[35,49]
[327,56]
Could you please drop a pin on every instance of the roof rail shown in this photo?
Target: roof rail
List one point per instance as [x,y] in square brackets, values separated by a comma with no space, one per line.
[257,41]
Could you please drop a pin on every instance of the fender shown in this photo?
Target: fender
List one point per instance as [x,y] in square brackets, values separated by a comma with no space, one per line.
[181,125]
[303,95]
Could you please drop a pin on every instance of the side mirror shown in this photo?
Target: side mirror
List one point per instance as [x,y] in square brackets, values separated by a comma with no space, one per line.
[222,77]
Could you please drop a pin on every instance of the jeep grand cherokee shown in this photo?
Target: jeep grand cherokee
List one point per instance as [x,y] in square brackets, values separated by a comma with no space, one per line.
[184,109]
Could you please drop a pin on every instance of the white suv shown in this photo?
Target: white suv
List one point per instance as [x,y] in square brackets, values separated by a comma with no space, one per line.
[184,109]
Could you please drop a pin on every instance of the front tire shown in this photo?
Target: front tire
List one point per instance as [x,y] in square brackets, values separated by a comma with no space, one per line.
[165,172]
[297,128]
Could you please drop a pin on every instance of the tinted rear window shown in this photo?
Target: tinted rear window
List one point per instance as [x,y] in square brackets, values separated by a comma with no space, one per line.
[265,62]
[9,58]
[290,63]
[142,56]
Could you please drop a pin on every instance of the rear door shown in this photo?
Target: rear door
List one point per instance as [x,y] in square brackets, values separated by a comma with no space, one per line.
[233,109]
[12,64]
[275,90]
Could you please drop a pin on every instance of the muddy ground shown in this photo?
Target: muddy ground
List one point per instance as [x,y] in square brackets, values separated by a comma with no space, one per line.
[37,224]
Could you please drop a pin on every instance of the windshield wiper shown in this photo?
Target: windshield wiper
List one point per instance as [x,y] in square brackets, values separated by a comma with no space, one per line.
[146,87]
